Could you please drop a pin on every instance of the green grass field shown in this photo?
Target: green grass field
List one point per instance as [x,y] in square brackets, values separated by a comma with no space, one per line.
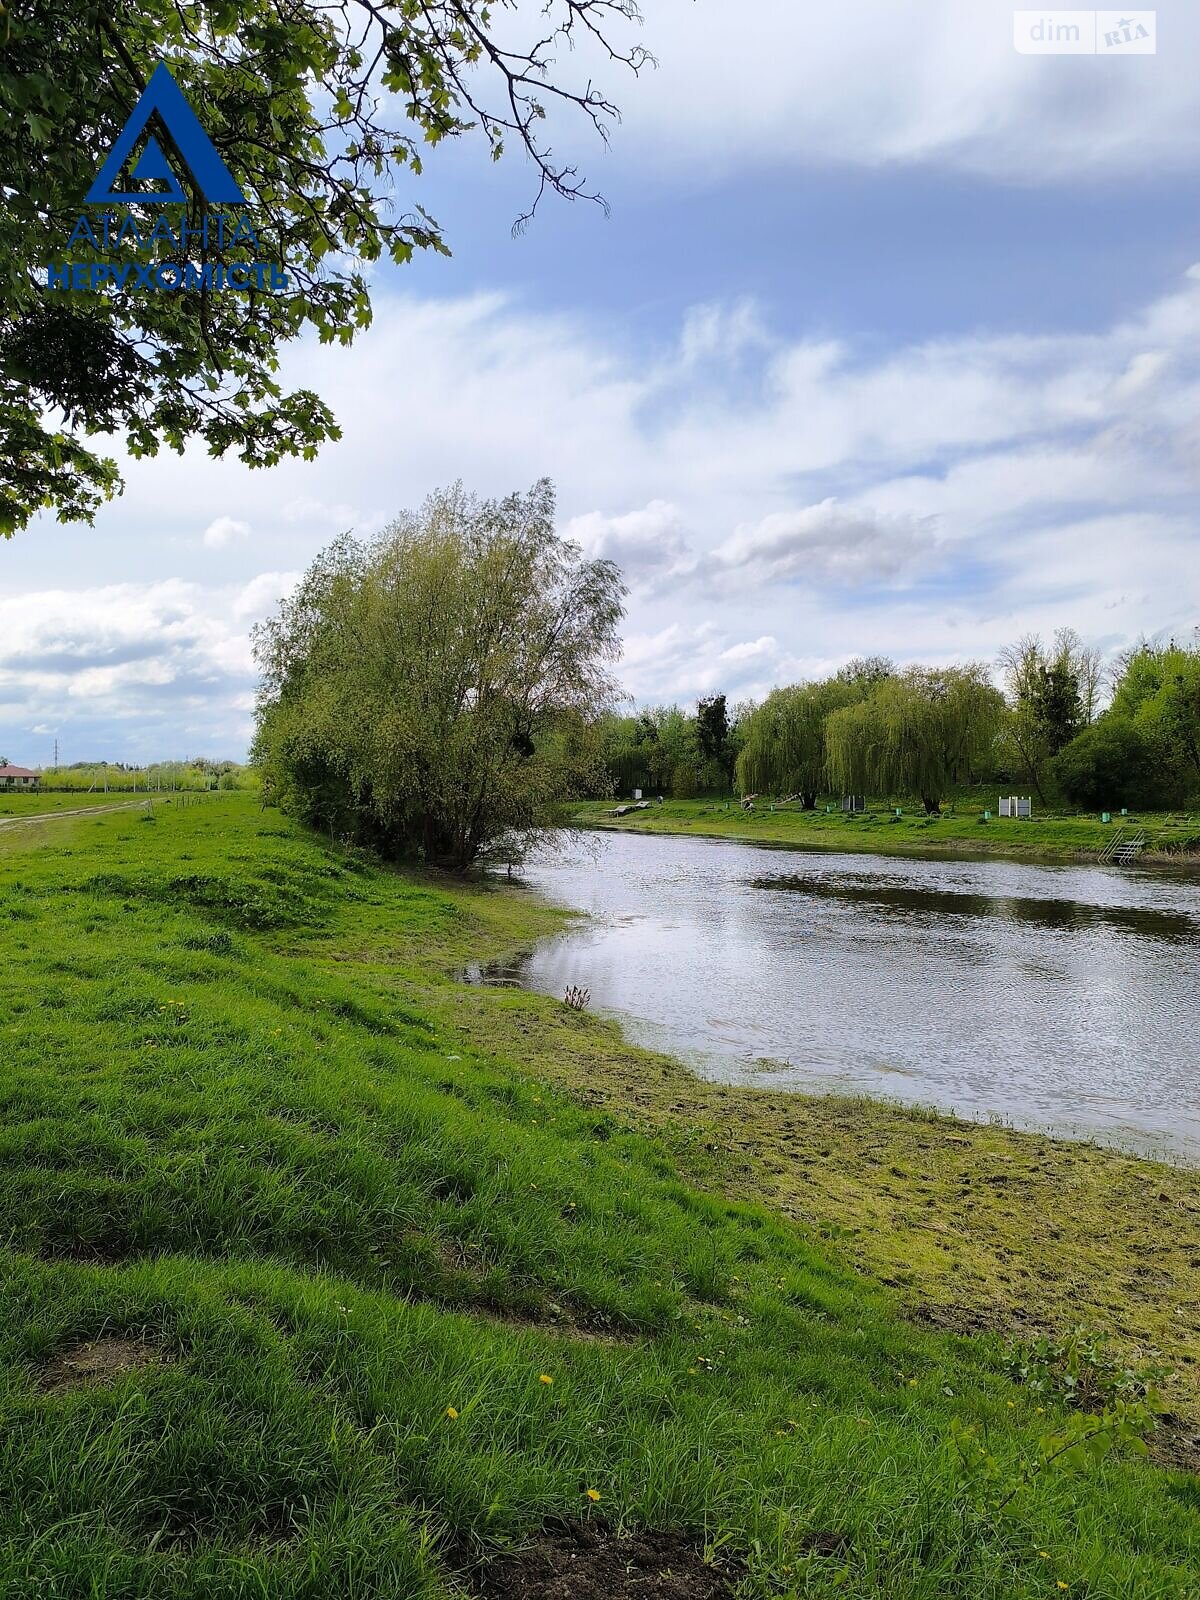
[16,807]
[400,1299]
[963,828]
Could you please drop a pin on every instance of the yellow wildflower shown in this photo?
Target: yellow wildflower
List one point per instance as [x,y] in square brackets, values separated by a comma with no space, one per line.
[452,1413]
[593,1495]
[545,1378]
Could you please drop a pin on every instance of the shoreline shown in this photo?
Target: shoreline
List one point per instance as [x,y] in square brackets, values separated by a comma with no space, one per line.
[813,831]
[977,1228]
[498,973]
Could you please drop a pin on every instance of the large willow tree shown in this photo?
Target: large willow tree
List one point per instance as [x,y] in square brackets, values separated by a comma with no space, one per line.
[431,693]
[919,732]
[785,751]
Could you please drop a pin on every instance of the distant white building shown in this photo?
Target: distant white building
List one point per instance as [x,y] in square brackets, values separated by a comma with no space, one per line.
[18,778]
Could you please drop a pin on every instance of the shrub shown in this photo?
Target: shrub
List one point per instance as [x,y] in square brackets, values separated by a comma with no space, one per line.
[683,782]
[1111,763]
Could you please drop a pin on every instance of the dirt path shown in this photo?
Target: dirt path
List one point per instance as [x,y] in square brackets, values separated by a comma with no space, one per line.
[78,811]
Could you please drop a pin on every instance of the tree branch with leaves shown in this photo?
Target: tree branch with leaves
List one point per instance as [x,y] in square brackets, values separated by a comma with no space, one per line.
[326,112]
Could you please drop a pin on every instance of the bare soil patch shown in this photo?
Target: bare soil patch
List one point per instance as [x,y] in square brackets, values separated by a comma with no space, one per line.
[96,1361]
[588,1561]
[1175,1443]
[582,1333]
[971,1322]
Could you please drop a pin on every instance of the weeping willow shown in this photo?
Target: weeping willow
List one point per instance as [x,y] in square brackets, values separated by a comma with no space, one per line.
[784,752]
[918,733]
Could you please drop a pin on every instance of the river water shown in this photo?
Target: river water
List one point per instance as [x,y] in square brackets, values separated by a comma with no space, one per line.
[1065,998]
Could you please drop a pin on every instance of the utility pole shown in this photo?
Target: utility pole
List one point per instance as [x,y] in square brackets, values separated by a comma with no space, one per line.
[56,753]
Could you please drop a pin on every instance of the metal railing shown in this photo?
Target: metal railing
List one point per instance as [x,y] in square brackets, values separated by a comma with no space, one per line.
[1124,847]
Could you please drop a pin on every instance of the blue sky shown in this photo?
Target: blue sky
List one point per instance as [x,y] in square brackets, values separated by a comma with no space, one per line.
[889,342]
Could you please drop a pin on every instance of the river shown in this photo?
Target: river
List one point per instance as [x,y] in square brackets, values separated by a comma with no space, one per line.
[1059,997]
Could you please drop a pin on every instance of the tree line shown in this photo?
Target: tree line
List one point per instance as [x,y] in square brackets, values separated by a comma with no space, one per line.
[925,732]
[199,772]
[444,690]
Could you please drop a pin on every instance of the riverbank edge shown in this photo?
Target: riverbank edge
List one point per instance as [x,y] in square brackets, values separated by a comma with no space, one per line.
[977,1228]
[845,842]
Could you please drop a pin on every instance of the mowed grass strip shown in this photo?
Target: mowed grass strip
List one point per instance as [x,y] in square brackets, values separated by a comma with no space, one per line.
[403,1302]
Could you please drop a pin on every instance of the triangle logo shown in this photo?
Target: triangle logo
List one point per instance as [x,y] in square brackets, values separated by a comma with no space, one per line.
[210,174]
[154,167]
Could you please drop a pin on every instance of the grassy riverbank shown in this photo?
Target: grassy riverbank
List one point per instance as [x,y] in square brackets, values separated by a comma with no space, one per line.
[976,1228]
[1169,835]
[375,1274]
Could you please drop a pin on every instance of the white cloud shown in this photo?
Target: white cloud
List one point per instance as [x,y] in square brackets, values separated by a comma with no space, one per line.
[823,544]
[258,598]
[764,648]
[718,331]
[308,510]
[931,499]
[677,659]
[148,662]
[648,545]
[222,531]
[877,84]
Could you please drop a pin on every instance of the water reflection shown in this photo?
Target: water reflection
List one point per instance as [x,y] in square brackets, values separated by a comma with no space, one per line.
[1060,997]
[930,902]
